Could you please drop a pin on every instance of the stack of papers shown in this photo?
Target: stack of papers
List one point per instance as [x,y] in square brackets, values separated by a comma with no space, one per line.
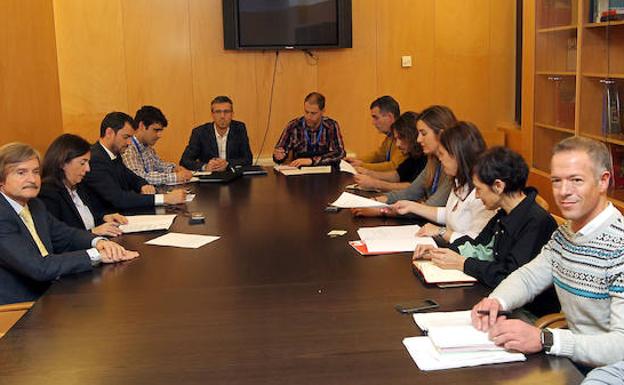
[189,241]
[351,201]
[434,274]
[392,239]
[289,170]
[137,223]
[347,167]
[452,342]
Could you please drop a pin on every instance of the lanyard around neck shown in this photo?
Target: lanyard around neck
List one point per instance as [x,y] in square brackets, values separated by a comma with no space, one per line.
[136,145]
[314,145]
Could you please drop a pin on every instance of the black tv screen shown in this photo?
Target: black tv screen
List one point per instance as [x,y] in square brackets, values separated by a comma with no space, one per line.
[286,24]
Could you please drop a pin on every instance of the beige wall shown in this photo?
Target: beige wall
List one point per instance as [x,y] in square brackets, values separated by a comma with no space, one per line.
[121,54]
[30,109]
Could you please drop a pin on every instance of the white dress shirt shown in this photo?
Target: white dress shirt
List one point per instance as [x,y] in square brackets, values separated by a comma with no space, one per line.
[222,143]
[464,214]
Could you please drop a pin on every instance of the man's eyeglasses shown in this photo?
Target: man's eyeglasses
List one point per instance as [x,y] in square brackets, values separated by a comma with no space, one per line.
[218,112]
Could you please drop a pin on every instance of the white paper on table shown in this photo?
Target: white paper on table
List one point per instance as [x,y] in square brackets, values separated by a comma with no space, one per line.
[189,241]
[347,201]
[460,338]
[388,232]
[397,245]
[202,173]
[192,180]
[289,171]
[137,223]
[190,197]
[347,167]
[447,318]
[427,357]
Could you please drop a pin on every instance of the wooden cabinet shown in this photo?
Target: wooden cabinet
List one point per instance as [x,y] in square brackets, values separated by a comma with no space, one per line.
[577,62]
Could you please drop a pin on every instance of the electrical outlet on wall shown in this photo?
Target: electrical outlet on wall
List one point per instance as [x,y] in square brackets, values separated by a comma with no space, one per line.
[406,61]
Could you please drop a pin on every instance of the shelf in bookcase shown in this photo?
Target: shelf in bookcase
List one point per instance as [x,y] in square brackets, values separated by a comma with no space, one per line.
[605,24]
[603,75]
[556,73]
[557,29]
[539,172]
[555,128]
[613,139]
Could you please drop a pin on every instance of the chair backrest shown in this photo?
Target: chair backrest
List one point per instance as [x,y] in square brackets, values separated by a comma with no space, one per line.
[542,202]
[552,321]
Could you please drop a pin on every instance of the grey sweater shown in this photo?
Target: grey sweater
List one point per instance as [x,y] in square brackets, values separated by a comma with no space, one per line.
[418,192]
[588,273]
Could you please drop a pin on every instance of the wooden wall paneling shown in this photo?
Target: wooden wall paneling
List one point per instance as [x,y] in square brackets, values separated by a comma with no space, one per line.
[406,28]
[462,39]
[30,109]
[158,65]
[348,77]
[91,63]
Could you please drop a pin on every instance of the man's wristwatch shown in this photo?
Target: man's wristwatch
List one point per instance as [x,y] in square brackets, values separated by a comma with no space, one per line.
[442,231]
[547,340]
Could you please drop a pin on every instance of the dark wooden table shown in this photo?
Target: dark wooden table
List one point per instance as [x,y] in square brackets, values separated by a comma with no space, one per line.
[274,301]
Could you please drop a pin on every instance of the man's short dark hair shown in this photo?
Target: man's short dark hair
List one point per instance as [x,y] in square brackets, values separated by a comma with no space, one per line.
[504,164]
[388,105]
[150,115]
[115,120]
[315,98]
[221,99]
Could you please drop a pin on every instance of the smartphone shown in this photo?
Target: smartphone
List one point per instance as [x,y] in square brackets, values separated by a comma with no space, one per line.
[427,304]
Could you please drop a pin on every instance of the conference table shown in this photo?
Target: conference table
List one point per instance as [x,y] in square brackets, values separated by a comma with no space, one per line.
[273,301]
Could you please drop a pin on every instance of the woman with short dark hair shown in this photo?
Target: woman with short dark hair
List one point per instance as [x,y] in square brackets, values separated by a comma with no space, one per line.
[64,166]
[513,237]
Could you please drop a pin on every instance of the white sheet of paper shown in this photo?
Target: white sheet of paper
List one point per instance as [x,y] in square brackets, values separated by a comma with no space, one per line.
[289,171]
[347,167]
[435,274]
[189,241]
[398,245]
[337,233]
[202,173]
[427,357]
[347,200]
[190,197]
[137,223]
[388,232]
[442,318]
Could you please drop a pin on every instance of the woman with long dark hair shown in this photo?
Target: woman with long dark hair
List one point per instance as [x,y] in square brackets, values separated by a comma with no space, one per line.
[64,166]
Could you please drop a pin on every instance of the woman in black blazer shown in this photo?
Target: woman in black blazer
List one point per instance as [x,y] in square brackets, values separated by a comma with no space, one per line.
[64,166]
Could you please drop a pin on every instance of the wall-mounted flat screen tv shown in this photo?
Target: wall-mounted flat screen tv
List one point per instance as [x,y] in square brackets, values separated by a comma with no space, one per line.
[286,24]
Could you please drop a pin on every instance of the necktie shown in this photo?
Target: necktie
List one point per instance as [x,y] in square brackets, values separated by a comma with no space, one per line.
[30,225]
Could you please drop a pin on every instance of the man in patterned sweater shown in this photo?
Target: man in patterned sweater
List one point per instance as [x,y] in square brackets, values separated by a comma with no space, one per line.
[584,260]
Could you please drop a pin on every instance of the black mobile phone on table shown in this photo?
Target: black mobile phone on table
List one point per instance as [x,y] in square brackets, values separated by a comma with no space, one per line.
[427,304]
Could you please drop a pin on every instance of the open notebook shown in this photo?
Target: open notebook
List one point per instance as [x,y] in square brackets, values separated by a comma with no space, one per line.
[435,275]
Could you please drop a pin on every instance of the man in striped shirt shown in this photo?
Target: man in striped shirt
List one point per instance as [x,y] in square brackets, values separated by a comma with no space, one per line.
[140,156]
[312,139]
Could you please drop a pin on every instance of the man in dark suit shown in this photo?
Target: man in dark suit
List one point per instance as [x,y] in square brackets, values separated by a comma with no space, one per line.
[223,142]
[35,247]
[111,185]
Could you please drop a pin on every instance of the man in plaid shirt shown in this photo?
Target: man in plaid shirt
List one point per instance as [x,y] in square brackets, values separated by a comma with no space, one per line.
[140,156]
[313,139]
